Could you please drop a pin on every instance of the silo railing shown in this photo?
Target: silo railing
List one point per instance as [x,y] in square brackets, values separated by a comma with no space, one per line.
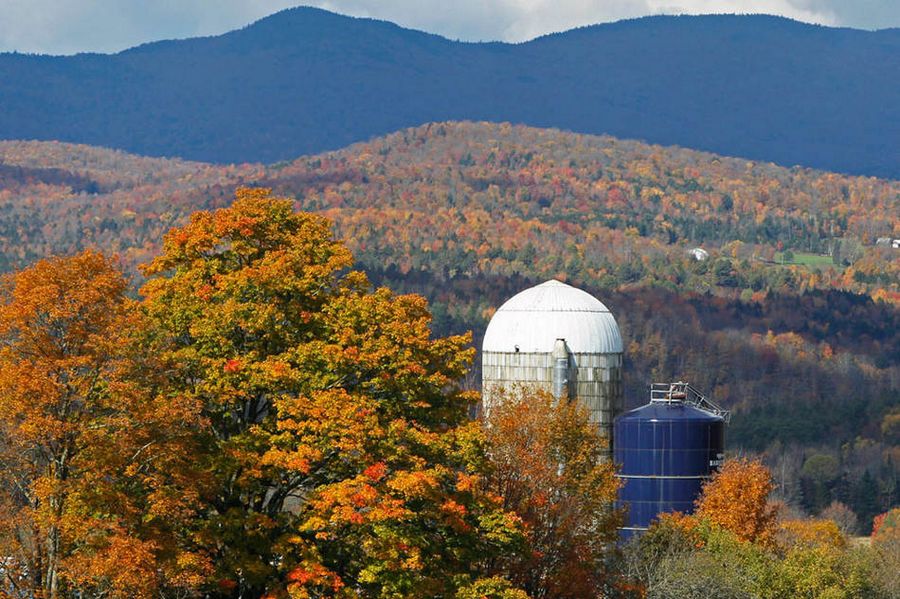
[684,392]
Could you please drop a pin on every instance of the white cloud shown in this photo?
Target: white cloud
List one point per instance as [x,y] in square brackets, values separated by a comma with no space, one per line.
[519,20]
[865,14]
[792,9]
[480,20]
[67,26]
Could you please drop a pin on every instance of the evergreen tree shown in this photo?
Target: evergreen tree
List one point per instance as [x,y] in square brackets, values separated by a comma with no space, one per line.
[865,500]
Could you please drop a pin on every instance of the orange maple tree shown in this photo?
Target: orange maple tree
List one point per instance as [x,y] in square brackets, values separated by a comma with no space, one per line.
[95,473]
[546,462]
[737,499]
[344,463]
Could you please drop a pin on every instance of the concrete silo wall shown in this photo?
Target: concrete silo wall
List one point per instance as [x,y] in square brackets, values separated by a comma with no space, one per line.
[598,384]
[594,379]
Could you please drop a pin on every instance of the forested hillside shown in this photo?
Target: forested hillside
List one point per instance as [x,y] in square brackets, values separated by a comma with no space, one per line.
[306,80]
[792,321]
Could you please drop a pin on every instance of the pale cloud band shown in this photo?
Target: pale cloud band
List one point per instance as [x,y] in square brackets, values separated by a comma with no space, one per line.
[68,26]
[520,20]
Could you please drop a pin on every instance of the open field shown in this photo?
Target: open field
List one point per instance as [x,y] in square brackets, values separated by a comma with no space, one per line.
[811,261]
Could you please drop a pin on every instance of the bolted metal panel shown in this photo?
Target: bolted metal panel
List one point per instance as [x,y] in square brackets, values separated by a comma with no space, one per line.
[666,451]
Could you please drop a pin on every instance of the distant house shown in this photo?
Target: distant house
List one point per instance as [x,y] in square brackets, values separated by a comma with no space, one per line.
[699,254]
[887,241]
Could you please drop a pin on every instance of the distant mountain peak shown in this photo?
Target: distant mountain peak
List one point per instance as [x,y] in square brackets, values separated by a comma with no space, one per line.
[305,80]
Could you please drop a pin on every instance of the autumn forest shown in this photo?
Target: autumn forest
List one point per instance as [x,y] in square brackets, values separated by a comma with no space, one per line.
[258,380]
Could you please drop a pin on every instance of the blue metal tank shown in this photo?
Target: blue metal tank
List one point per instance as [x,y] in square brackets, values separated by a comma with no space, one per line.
[666,450]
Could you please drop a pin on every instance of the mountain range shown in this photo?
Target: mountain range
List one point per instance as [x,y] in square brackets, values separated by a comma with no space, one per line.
[306,80]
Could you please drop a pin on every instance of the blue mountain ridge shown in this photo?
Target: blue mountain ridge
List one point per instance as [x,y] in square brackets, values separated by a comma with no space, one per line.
[306,80]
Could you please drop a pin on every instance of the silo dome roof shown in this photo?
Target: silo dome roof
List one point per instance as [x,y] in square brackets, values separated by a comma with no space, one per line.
[534,319]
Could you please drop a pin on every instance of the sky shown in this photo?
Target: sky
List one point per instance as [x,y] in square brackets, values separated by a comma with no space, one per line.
[70,26]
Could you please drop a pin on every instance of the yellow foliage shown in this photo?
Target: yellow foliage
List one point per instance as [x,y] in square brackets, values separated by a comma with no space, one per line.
[810,533]
[737,499]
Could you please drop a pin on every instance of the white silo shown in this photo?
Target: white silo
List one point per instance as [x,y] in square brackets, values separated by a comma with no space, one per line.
[560,339]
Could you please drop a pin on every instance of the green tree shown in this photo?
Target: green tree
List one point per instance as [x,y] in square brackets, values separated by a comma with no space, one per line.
[819,472]
[865,500]
[491,588]
[343,459]
[884,554]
